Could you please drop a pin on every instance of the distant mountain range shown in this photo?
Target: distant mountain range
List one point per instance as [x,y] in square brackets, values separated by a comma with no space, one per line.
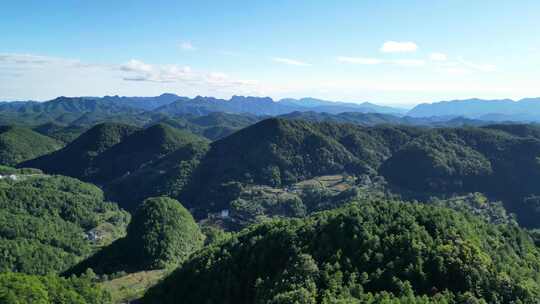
[143,110]
[174,104]
[495,110]
[267,106]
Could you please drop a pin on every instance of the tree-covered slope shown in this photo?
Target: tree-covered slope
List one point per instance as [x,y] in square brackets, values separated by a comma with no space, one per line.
[521,130]
[63,110]
[447,161]
[49,223]
[374,119]
[63,133]
[167,175]
[367,252]
[20,144]
[138,149]
[214,126]
[161,234]
[77,158]
[17,288]
[280,152]
[109,151]
[130,163]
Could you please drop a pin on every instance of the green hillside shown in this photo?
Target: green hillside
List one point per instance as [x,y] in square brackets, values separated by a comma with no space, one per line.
[60,132]
[65,110]
[16,288]
[447,161]
[138,149]
[162,234]
[77,158]
[213,126]
[367,252]
[162,176]
[279,152]
[49,223]
[20,144]
[415,163]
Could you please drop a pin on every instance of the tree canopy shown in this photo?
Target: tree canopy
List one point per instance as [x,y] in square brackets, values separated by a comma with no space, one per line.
[162,232]
[367,252]
[49,223]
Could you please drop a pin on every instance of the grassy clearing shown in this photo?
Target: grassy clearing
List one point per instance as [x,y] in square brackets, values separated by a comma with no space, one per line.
[132,286]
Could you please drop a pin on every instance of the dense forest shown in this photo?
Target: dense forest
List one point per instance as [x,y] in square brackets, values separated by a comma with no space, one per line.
[367,252]
[19,144]
[49,223]
[100,203]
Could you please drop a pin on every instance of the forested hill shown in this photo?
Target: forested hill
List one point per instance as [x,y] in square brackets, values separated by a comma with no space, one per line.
[465,160]
[279,152]
[129,162]
[19,144]
[368,252]
[132,163]
[50,223]
[417,162]
[77,158]
[374,119]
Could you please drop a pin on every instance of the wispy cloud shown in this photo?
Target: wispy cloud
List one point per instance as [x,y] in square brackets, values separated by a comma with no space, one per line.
[35,76]
[290,61]
[187,46]
[359,60]
[140,71]
[398,47]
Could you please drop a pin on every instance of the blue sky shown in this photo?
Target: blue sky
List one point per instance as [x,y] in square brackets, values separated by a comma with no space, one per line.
[388,52]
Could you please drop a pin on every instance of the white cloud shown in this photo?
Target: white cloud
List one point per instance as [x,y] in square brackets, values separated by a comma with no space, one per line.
[399,47]
[290,61]
[27,76]
[140,71]
[187,46]
[359,60]
[438,57]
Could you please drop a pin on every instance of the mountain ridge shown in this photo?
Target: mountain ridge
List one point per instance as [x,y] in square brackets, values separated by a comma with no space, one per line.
[526,109]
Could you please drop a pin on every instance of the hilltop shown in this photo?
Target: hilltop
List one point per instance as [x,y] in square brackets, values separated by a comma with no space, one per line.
[128,161]
[77,158]
[19,144]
